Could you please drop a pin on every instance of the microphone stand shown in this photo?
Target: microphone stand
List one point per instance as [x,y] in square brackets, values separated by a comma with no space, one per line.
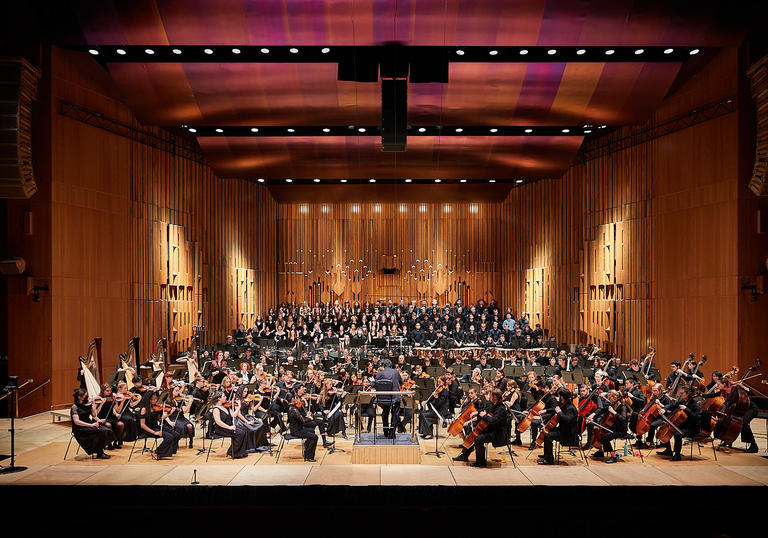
[12,389]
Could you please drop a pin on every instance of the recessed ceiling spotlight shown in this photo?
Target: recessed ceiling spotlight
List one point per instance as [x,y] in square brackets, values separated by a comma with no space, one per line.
[668,51]
[93,52]
[325,50]
[603,126]
[566,130]
[254,129]
[408,180]
[219,130]
[293,50]
[518,181]
[265,50]
[149,51]
[291,130]
[316,180]
[491,181]
[609,52]
[523,52]
[581,52]
[343,180]
[493,52]
[460,52]
[587,131]
[361,129]
[462,181]
[235,51]
[459,130]
[288,180]
[422,129]
[371,180]
[529,130]
[192,130]
[438,180]
[260,180]
[326,130]
[208,51]
[639,51]
[121,52]
[694,51]
[552,52]
[176,51]
[494,130]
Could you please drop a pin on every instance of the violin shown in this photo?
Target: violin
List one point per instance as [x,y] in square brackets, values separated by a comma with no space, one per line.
[167,408]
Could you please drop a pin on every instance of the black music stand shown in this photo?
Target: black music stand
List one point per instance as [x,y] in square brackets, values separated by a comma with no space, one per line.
[439,419]
[12,392]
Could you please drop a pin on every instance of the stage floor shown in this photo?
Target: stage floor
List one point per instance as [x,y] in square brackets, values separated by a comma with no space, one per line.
[40,446]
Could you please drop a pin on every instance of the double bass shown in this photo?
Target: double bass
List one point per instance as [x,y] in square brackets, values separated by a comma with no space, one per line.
[736,405]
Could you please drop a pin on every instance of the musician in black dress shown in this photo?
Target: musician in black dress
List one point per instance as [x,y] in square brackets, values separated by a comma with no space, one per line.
[566,431]
[256,439]
[329,401]
[439,401]
[224,424]
[182,405]
[154,423]
[689,428]
[495,432]
[90,433]
[269,407]
[124,411]
[104,412]
[302,425]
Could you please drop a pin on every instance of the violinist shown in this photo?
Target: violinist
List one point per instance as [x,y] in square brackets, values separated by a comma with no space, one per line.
[657,394]
[90,432]
[123,410]
[530,384]
[601,383]
[638,400]
[227,388]
[302,425]
[512,398]
[181,405]
[153,421]
[104,412]
[328,399]
[454,389]
[200,393]
[566,431]
[495,432]
[615,407]
[225,425]
[367,409]
[256,436]
[439,400]
[689,428]
[406,413]
[268,407]
[723,386]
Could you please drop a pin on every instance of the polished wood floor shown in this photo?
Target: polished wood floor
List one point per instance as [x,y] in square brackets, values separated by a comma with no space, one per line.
[40,445]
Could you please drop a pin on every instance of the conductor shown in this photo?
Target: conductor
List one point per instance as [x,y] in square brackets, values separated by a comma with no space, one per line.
[388,380]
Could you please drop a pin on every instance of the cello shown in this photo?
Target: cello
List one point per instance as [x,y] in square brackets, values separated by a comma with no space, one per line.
[736,405]
[457,426]
[608,420]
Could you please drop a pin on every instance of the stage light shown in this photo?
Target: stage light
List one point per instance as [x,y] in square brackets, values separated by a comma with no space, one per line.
[326,130]
[235,51]
[254,130]
[316,180]
[408,180]
[149,51]
[288,180]
[293,50]
[94,52]
[176,51]
[459,130]
[422,208]
[494,130]
[265,50]
[566,130]
[192,130]
[343,180]
[552,52]
[371,180]
[325,50]
[291,130]
[587,131]
[523,52]
[260,180]
[639,51]
[361,129]
[422,129]
[519,181]
[462,181]
[529,130]
[694,51]
[219,130]
[493,52]
[208,51]
[603,126]
[460,52]
[581,52]
[438,180]
[609,52]
[121,52]
[403,208]
[491,181]
[668,51]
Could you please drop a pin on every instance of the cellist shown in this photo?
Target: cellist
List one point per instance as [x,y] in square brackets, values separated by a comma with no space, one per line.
[566,430]
[689,428]
[618,409]
[638,399]
[495,432]
[723,387]
[657,393]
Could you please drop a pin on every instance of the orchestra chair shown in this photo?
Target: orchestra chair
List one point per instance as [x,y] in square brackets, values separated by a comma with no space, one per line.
[142,436]
[72,436]
[568,447]
[698,440]
[286,438]
[211,438]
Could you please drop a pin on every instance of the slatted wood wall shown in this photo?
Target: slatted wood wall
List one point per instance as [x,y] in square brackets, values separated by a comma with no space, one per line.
[637,248]
[337,251]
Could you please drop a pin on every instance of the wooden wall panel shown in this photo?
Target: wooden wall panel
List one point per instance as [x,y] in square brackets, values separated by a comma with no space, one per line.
[330,251]
[639,246]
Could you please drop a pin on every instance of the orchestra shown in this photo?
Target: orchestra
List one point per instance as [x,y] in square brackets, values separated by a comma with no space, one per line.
[502,378]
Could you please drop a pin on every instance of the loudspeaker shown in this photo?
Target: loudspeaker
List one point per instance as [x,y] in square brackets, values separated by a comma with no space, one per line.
[394,114]
[359,65]
[389,270]
[18,90]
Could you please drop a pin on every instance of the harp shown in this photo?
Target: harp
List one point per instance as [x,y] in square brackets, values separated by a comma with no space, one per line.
[91,366]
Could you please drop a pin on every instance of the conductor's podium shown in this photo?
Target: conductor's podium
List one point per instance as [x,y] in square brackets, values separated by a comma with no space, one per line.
[376,447]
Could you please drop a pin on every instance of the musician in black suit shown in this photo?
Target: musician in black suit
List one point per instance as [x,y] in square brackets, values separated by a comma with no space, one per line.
[566,431]
[689,428]
[495,432]
[439,399]
[389,379]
